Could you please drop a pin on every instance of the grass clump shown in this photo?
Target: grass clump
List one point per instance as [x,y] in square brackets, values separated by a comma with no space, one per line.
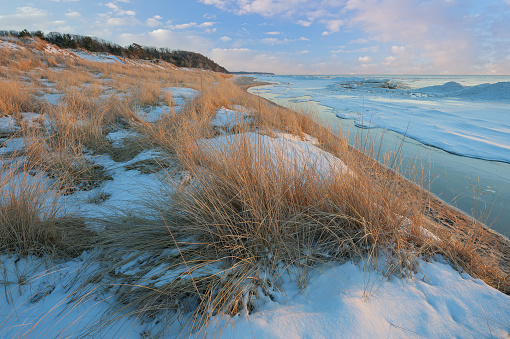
[30,221]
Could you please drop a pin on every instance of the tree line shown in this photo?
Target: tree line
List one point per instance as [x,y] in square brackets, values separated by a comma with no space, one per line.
[135,51]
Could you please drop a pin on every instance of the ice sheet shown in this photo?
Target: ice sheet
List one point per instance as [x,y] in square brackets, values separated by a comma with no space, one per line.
[472,120]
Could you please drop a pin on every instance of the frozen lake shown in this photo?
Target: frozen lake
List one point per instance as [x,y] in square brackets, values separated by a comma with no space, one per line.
[457,127]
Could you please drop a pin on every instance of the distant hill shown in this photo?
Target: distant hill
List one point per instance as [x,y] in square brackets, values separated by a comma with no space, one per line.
[134,51]
[246,73]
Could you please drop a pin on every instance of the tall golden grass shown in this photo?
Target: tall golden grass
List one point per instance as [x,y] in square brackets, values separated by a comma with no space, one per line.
[229,222]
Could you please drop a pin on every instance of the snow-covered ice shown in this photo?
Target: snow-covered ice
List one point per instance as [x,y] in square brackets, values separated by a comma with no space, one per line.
[464,117]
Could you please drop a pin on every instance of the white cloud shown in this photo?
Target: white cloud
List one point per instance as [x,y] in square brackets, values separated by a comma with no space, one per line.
[359,41]
[389,60]
[271,41]
[333,26]
[113,6]
[398,49]
[153,22]
[170,39]
[118,11]
[274,33]
[266,8]
[304,23]
[225,39]
[26,17]
[364,59]
[244,59]
[73,15]
[206,24]
[121,21]
[184,26]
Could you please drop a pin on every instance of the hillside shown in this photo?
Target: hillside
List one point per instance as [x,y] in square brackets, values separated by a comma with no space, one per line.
[134,51]
[143,200]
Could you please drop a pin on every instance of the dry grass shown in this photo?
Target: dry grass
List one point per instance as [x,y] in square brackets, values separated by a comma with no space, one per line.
[15,97]
[241,218]
[30,220]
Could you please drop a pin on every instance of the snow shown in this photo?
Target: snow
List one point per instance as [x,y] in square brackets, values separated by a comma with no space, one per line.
[495,92]
[287,152]
[5,43]
[468,118]
[229,118]
[340,301]
[97,57]
[126,190]
[52,49]
[349,302]
[12,145]
[31,119]
[117,137]
[154,113]
[180,95]
[52,98]
[38,307]
[7,124]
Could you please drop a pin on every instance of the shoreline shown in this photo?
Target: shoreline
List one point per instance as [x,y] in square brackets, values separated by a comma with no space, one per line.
[246,82]
[495,245]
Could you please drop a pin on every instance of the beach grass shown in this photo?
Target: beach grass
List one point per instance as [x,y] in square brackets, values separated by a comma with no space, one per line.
[228,220]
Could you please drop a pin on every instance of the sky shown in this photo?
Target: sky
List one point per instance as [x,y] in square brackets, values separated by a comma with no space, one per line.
[294,36]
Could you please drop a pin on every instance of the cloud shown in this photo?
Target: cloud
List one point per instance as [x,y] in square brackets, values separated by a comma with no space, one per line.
[225,39]
[274,33]
[118,11]
[244,59]
[26,17]
[126,21]
[275,41]
[73,15]
[359,41]
[169,39]
[206,24]
[333,26]
[154,21]
[398,49]
[304,23]
[364,59]
[267,8]
[184,26]
[272,41]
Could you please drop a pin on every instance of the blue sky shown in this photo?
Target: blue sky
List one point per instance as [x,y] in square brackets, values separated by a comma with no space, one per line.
[295,36]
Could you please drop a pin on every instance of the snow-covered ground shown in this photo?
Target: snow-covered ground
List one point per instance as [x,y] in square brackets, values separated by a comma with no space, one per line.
[38,297]
[340,301]
[467,116]
[343,300]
